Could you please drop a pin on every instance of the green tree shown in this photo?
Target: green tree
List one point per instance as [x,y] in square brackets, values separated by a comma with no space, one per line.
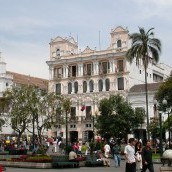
[165,91]
[3,110]
[118,117]
[143,45]
[154,128]
[30,107]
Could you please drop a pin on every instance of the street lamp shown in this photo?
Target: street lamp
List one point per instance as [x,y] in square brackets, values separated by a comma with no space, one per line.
[156,104]
[93,128]
[94,120]
[33,137]
[66,131]
[164,102]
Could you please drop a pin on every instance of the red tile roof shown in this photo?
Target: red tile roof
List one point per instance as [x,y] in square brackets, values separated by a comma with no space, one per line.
[20,79]
[141,87]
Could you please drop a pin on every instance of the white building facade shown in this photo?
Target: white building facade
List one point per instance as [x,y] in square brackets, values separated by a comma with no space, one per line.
[88,76]
[9,79]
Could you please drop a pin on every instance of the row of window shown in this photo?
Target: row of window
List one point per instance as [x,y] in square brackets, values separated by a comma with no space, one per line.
[89,87]
[86,125]
[104,68]
[156,78]
[58,51]
[74,126]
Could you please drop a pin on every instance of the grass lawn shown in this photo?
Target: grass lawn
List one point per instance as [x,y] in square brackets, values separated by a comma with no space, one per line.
[156,156]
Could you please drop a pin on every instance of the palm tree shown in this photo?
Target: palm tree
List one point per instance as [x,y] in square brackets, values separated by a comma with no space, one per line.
[144,48]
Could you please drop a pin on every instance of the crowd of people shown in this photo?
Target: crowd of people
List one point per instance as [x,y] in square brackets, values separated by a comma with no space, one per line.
[137,157]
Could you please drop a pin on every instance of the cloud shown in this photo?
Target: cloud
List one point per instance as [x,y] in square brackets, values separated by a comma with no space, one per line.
[22,25]
[27,58]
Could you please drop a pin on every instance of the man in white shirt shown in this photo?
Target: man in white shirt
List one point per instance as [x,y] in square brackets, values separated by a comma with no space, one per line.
[130,156]
[107,150]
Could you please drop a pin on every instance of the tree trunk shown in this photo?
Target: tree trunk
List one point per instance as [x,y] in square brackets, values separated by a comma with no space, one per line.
[146,91]
[39,137]
[18,138]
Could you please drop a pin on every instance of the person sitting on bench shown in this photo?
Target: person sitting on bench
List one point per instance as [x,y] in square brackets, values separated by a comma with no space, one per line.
[73,157]
[100,157]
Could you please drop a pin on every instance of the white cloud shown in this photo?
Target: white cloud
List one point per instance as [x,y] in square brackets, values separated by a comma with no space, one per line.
[26,58]
[22,25]
[26,28]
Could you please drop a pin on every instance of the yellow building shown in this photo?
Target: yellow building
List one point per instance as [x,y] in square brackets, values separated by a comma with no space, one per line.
[88,76]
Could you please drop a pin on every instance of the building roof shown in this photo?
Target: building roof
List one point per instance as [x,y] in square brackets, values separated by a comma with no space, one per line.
[20,79]
[141,87]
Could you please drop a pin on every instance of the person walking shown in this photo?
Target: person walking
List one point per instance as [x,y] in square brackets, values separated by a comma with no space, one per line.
[107,150]
[138,151]
[129,152]
[116,150]
[147,158]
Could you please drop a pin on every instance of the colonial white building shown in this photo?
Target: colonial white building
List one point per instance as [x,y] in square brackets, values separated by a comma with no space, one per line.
[88,76]
[9,79]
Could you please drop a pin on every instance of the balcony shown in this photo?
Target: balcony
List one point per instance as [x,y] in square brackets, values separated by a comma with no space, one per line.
[73,119]
[58,77]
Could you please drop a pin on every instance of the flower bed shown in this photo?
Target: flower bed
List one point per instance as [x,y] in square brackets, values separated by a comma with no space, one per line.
[30,158]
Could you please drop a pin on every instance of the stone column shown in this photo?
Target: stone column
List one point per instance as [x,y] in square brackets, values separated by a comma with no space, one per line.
[80,69]
[50,73]
[64,71]
[104,85]
[95,67]
[88,88]
[72,88]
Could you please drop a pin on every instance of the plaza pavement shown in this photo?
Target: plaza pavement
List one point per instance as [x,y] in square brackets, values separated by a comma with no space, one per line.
[81,169]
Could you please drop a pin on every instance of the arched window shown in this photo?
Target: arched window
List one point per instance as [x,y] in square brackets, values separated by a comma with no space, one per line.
[84,87]
[58,52]
[69,88]
[120,83]
[100,85]
[58,88]
[91,85]
[76,87]
[119,44]
[107,83]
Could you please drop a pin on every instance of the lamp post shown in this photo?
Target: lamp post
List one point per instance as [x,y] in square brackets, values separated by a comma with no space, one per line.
[33,137]
[66,132]
[93,128]
[164,102]
[156,104]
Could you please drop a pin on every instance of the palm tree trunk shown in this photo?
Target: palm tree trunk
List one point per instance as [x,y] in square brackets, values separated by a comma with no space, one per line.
[147,112]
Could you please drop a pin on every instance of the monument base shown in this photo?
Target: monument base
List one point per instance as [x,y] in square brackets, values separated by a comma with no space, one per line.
[165,169]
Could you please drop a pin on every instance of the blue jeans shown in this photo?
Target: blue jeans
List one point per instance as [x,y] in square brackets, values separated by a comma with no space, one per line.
[117,159]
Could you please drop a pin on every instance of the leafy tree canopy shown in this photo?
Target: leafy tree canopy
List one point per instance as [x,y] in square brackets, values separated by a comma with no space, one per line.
[118,117]
[30,106]
[165,91]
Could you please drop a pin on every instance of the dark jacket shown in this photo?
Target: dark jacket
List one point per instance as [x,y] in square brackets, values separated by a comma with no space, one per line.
[147,155]
[116,149]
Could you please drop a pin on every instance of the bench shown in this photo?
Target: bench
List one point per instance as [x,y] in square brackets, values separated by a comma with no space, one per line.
[91,161]
[17,152]
[63,161]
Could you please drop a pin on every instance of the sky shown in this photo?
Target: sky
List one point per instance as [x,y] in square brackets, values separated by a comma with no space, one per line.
[27,26]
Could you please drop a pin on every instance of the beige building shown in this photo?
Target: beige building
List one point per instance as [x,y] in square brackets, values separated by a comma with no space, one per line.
[88,76]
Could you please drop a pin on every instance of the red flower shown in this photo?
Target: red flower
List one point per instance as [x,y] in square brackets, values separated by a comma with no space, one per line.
[83,108]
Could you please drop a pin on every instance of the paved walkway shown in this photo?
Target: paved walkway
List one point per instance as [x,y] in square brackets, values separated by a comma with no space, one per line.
[81,169]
